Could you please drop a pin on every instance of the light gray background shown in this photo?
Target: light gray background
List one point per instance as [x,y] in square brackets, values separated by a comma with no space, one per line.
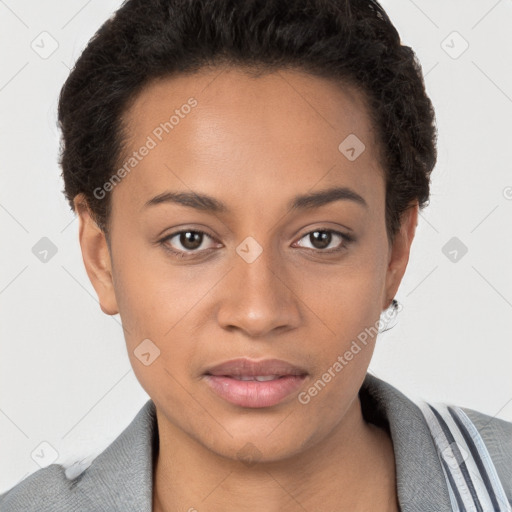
[65,377]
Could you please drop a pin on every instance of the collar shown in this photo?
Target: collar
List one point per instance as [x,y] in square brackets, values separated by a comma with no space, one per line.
[421,484]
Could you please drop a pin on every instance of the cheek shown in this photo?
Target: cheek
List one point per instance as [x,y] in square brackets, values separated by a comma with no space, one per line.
[160,301]
[150,292]
[347,297]
[343,342]
[151,306]
[349,307]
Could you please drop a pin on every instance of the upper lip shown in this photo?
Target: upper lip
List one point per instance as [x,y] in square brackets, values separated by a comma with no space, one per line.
[250,368]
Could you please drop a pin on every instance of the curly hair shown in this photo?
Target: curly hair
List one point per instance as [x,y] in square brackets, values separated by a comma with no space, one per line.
[348,41]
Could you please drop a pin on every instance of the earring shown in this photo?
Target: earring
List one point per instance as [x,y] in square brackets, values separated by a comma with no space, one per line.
[389,315]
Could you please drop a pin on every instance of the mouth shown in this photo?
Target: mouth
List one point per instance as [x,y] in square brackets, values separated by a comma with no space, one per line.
[255,384]
[259,378]
[247,369]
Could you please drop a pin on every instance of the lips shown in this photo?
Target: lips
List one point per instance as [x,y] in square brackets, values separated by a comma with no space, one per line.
[255,384]
[246,369]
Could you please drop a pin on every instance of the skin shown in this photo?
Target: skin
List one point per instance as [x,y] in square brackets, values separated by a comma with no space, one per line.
[253,143]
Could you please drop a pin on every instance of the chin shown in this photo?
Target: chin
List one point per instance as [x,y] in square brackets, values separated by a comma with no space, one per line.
[260,448]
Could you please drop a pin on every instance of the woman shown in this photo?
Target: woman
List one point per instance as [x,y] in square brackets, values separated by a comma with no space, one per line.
[248,177]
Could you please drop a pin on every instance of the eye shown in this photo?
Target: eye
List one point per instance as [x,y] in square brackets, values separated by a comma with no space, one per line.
[187,241]
[191,242]
[322,239]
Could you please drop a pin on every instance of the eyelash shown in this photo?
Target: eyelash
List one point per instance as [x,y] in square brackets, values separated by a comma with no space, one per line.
[348,239]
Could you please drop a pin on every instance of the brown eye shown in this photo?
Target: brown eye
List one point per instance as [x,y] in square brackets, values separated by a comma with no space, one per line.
[186,242]
[326,240]
[320,239]
[190,239]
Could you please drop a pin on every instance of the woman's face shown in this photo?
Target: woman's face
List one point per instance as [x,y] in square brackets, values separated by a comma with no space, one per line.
[267,280]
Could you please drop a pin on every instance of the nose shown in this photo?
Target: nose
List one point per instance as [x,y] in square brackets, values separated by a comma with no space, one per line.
[258,297]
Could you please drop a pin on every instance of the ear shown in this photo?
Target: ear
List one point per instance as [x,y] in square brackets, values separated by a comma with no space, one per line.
[96,256]
[399,252]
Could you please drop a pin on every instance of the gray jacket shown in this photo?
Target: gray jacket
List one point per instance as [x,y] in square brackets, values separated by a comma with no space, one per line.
[120,478]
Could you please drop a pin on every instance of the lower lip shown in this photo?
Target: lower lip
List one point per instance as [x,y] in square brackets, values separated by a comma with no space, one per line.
[252,393]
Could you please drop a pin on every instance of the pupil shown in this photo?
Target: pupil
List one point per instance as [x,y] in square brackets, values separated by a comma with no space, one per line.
[191,239]
[324,239]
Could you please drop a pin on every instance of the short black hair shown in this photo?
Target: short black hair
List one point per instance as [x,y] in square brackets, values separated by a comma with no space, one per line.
[349,41]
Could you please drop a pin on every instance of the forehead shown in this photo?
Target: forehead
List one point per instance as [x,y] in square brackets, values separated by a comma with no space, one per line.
[273,100]
[284,128]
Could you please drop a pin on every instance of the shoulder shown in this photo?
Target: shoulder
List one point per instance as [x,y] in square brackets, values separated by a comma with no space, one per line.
[48,486]
[497,436]
[119,478]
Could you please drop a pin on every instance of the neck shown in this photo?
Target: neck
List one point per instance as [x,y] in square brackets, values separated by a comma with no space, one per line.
[352,468]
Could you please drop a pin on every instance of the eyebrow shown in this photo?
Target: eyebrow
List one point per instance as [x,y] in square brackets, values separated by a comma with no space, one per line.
[207,203]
